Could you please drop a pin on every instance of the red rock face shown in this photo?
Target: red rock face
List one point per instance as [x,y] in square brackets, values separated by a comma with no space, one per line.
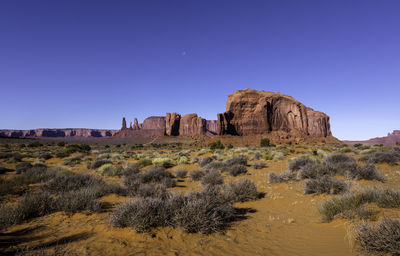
[191,124]
[251,112]
[154,123]
[172,124]
[211,127]
[123,123]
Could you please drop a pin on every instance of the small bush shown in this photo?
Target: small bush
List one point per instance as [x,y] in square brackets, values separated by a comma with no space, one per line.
[155,174]
[239,160]
[315,170]
[265,142]
[204,161]
[215,165]
[181,173]
[241,191]
[216,145]
[82,199]
[35,144]
[152,190]
[366,172]
[323,185]
[279,178]
[22,167]
[83,148]
[380,239]
[141,214]
[45,156]
[389,157]
[29,206]
[351,204]
[61,144]
[110,170]
[197,174]
[62,184]
[163,162]
[237,170]
[72,161]
[143,162]
[297,163]
[213,177]
[99,162]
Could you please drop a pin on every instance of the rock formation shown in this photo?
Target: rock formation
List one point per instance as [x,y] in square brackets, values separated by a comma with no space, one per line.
[154,123]
[251,112]
[211,127]
[192,125]
[136,125]
[123,123]
[57,133]
[172,124]
[391,139]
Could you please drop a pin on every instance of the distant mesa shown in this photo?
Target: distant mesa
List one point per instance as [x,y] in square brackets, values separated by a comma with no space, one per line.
[248,113]
[58,133]
[391,139]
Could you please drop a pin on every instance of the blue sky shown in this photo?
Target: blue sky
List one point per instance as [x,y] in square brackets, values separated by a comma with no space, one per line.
[88,63]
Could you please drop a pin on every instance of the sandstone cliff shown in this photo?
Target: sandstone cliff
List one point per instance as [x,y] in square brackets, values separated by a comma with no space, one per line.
[192,125]
[251,112]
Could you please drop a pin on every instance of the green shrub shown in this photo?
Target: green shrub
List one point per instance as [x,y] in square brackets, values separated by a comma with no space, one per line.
[163,162]
[143,162]
[265,142]
[216,145]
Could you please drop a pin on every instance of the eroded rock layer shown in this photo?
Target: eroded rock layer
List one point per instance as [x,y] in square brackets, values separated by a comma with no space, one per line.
[251,112]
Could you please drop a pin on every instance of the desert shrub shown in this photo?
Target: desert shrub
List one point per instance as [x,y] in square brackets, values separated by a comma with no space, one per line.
[214,165]
[61,144]
[4,170]
[283,177]
[35,144]
[62,154]
[351,204]
[152,190]
[72,161]
[141,214]
[183,160]
[204,212]
[390,157]
[366,172]
[205,160]
[265,142]
[98,162]
[143,162]
[29,206]
[323,185]
[197,174]
[22,167]
[315,170]
[259,165]
[61,184]
[163,162]
[297,163]
[45,156]
[238,160]
[380,239]
[257,156]
[110,170]
[78,200]
[338,158]
[212,177]
[268,156]
[241,191]
[130,170]
[39,173]
[237,170]
[82,148]
[181,173]
[155,174]
[12,157]
[216,145]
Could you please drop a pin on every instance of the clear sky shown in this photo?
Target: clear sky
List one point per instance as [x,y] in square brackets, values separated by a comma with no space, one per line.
[86,64]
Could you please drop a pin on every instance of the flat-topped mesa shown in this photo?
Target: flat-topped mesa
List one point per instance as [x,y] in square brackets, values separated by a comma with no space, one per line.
[58,133]
[251,112]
